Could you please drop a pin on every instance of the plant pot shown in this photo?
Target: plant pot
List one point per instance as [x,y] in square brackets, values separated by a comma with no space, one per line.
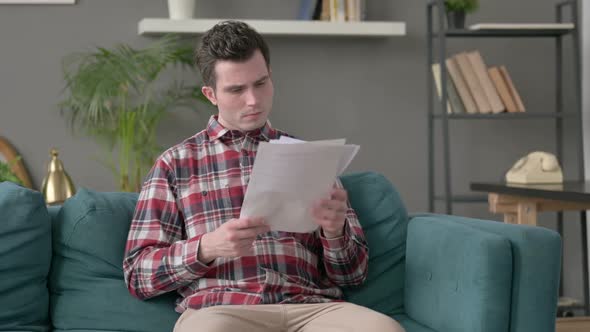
[181,9]
[456,19]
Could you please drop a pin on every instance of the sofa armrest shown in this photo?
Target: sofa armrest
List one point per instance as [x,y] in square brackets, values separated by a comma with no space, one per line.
[505,277]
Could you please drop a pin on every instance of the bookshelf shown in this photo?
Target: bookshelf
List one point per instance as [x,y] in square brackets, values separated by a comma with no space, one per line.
[558,114]
[441,34]
[159,26]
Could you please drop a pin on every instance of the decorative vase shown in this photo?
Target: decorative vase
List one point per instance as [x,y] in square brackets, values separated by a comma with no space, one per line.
[57,185]
[181,9]
[456,19]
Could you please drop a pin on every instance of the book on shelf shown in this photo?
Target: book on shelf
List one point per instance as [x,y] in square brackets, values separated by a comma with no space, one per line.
[454,104]
[342,10]
[357,10]
[522,26]
[477,92]
[461,86]
[513,92]
[325,15]
[503,89]
[437,82]
[317,12]
[307,9]
[481,71]
[337,10]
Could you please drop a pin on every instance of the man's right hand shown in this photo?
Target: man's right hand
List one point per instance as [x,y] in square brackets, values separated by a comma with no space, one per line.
[232,239]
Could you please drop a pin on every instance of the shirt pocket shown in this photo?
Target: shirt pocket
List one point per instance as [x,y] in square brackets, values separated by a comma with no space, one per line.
[207,206]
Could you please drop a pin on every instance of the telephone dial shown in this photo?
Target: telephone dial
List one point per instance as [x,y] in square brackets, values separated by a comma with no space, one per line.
[536,167]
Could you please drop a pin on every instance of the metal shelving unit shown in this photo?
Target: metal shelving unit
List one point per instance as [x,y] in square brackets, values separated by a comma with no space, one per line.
[558,115]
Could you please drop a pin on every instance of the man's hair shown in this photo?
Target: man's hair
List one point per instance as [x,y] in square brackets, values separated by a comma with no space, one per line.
[228,40]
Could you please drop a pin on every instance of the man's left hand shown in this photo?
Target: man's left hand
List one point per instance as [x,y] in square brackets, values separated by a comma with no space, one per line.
[330,213]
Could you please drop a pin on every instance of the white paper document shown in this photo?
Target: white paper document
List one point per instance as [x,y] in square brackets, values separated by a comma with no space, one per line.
[289,175]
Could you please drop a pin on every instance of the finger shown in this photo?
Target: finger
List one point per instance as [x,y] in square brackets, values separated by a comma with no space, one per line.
[255,222]
[249,223]
[323,213]
[317,210]
[339,194]
[330,224]
[334,215]
[262,229]
[328,214]
[334,205]
[252,232]
[244,234]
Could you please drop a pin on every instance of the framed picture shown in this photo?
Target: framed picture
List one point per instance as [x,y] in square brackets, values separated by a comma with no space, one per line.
[37,2]
[9,155]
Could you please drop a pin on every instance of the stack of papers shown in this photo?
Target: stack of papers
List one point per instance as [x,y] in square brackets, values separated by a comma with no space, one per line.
[289,175]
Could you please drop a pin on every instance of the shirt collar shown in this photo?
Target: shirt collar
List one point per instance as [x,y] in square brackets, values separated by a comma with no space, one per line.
[216,130]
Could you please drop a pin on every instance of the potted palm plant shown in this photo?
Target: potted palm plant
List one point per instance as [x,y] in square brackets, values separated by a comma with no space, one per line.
[117,97]
[457,10]
[6,174]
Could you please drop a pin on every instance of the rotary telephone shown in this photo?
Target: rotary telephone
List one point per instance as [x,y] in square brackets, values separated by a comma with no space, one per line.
[536,167]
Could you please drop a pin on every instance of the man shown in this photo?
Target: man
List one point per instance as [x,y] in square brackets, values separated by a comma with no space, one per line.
[235,274]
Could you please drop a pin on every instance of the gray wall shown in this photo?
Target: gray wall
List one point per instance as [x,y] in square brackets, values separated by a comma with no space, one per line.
[371,91]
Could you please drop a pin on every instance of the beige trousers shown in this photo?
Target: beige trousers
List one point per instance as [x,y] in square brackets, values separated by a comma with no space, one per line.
[324,317]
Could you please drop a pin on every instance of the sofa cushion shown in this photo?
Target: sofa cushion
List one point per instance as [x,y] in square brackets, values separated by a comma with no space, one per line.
[384,219]
[25,257]
[88,291]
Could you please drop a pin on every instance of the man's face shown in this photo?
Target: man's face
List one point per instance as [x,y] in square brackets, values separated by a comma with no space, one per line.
[243,93]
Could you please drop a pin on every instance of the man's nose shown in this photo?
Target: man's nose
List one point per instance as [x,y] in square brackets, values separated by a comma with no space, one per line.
[251,97]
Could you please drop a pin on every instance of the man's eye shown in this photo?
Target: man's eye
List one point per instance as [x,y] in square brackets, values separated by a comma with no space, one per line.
[260,83]
[237,90]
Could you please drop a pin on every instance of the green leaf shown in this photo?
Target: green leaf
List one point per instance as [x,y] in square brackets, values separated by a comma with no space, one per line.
[6,173]
[467,6]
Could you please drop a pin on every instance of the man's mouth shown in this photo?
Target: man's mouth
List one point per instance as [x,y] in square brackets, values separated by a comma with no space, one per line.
[252,115]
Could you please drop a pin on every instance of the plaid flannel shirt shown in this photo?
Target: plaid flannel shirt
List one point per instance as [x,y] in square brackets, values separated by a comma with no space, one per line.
[196,186]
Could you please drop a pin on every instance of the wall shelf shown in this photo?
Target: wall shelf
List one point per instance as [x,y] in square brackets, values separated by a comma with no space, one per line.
[506,116]
[160,26]
[508,33]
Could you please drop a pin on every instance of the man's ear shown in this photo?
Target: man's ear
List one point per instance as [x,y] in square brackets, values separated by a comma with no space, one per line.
[210,94]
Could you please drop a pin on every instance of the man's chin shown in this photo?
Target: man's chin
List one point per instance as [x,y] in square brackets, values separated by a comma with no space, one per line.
[253,125]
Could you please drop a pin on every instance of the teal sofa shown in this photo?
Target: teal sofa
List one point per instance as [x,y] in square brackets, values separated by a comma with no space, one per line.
[60,268]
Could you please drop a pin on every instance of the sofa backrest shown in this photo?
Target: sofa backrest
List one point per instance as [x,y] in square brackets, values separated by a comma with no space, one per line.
[384,219]
[86,280]
[25,256]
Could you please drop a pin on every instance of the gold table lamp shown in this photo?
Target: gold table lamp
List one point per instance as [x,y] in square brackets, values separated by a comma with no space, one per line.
[57,185]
